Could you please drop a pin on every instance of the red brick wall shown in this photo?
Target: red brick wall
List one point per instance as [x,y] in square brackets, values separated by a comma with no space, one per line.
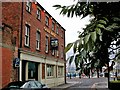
[11,16]
[11,13]
[31,19]
[6,65]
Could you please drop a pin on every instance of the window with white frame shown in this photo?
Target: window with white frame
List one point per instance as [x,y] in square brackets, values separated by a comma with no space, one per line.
[47,21]
[60,70]
[57,53]
[62,33]
[38,40]
[27,35]
[50,70]
[53,52]
[62,52]
[46,44]
[38,14]
[28,6]
[53,26]
[57,29]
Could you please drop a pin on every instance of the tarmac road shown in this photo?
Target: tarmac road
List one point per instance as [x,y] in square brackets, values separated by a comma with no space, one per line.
[85,84]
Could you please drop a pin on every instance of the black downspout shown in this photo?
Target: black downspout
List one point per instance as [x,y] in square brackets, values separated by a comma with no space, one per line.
[20,41]
[65,59]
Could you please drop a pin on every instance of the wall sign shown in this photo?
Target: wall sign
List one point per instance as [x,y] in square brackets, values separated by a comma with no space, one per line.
[50,32]
[16,62]
[54,43]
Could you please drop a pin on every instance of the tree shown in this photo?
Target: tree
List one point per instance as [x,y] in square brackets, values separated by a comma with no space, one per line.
[100,38]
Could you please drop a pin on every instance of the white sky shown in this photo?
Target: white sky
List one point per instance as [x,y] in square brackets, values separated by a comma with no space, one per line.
[72,25]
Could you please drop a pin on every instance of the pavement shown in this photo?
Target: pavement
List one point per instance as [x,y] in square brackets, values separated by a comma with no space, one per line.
[95,86]
[100,85]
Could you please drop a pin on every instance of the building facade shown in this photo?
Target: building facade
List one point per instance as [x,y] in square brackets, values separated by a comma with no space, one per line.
[32,46]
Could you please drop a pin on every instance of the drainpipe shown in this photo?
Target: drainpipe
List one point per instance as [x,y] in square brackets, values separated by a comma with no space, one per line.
[65,58]
[20,40]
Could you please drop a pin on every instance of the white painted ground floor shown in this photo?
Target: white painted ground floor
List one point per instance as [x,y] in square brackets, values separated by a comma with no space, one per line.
[42,68]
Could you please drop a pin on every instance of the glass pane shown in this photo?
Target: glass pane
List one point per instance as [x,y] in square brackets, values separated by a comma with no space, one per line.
[32,70]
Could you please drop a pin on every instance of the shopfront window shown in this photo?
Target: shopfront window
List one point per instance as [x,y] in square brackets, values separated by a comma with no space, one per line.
[50,70]
[60,70]
[32,70]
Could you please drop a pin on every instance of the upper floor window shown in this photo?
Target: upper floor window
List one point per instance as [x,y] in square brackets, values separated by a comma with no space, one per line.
[47,21]
[27,35]
[38,14]
[38,40]
[62,33]
[53,52]
[53,26]
[28,6]
[62,52]
[46,44]
[57,53]
[57,29]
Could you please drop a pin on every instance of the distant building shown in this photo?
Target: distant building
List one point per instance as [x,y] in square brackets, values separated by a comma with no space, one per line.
[32,46]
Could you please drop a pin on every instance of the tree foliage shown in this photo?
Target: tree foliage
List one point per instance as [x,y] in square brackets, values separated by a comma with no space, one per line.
[100,38]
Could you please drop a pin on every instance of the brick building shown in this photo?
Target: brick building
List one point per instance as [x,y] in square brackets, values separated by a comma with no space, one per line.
[32,46]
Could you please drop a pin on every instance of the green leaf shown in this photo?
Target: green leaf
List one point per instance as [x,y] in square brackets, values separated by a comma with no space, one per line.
[73,8]
[98,31]
[116,19]
[105,19]
[75,46]
[77,59]
[80,44]
[102,22]
[71,60]
[93,36]
[57,6]
[100,26]
[90,45]
[63,9]
[112,27]
[68,47]
[86,39]
[83,53]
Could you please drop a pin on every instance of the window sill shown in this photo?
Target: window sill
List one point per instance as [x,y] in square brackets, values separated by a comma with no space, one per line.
[49,77]
[47,25]
[26,46]
[38,19]
[37,50]
[28,11]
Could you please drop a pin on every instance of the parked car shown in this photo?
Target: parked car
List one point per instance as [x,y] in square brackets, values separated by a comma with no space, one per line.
[32,84]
